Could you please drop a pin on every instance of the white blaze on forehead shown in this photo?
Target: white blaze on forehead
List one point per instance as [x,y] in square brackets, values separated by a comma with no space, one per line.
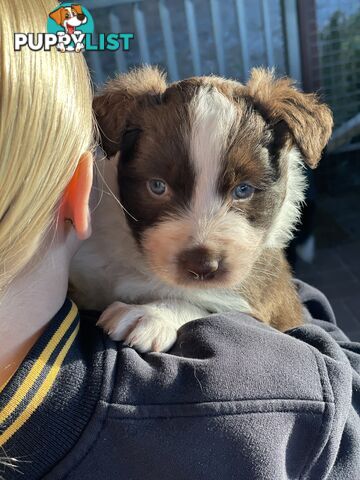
[212,119]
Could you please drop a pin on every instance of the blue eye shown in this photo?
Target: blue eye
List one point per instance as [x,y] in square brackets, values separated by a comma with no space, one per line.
[243,191]
[157,187]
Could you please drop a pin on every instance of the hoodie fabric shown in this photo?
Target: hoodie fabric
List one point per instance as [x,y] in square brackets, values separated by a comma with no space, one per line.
[233,399]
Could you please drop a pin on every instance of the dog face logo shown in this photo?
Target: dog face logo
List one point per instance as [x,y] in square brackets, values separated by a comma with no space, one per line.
[70,28]
[71,22]
[69,17]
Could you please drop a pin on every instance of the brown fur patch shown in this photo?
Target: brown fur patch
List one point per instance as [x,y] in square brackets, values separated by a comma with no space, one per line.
[159,150]
[271,292]
[309,121]
[114,102]
[248,161]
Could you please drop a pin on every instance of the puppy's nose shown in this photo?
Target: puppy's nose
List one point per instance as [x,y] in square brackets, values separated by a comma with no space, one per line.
[81,17]
[199,263]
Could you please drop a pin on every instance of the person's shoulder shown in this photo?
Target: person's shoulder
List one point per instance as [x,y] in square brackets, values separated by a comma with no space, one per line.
[228,384]
[216,359]
[89,317]
[91,336]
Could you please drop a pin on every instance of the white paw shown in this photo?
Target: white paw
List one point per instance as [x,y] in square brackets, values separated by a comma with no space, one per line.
[144,327]
[79,47]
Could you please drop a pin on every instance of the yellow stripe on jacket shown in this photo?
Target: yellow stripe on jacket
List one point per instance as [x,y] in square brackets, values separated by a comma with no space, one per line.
[38,366]
[41,393]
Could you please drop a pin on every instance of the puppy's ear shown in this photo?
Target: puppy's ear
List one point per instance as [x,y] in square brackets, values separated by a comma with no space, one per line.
[114,103]
[77,8]
[308,121]
[58,15]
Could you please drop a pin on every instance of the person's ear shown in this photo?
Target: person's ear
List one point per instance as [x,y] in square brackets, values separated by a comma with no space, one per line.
[75,206]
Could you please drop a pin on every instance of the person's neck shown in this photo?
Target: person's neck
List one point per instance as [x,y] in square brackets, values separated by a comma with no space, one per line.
[28,305]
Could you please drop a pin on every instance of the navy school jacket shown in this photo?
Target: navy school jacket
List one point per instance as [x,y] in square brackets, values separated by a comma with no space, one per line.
[233,399]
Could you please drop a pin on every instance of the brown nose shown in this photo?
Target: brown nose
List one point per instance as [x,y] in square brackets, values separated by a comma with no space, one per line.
[81,17]
[199,264]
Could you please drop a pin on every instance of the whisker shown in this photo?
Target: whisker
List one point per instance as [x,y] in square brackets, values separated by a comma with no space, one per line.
[114,196]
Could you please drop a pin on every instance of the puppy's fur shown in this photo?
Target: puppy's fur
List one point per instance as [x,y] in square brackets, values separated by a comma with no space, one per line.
[196,249]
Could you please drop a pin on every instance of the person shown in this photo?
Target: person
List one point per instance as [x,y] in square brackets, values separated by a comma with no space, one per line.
[233,399]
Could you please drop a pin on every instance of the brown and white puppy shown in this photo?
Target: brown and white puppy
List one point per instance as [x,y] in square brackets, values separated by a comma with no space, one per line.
[209,173]
[70,18]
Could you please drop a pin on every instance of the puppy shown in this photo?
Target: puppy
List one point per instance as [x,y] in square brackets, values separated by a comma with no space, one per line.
[208,177]
[70,18]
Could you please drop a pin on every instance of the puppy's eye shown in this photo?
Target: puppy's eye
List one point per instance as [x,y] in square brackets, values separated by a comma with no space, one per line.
[157,187]
[243,191]
[67,15]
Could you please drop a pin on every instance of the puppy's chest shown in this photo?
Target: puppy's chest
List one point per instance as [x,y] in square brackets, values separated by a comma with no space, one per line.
[132,287]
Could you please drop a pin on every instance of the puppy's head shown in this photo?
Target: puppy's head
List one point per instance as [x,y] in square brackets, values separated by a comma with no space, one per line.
[72,15]
[210,170]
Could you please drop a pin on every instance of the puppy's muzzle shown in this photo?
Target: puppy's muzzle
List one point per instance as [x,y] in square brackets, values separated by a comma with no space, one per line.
[199,264]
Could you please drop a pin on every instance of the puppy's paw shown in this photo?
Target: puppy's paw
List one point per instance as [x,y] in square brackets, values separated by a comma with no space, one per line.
[144,327]
[79,47]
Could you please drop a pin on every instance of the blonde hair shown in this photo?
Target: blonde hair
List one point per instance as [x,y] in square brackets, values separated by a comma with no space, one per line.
[45,125]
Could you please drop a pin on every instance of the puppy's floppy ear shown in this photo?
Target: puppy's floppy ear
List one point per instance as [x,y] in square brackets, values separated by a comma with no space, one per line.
[113,104]
[308,121]
[58,15]
[77,8]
